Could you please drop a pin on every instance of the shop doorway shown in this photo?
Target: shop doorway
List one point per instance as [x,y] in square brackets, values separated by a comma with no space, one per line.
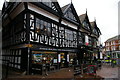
[68,59]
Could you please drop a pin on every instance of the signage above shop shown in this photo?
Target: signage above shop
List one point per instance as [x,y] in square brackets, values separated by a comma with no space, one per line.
[53,49]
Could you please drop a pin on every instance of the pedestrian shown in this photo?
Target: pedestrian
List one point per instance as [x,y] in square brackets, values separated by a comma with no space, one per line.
[113,63]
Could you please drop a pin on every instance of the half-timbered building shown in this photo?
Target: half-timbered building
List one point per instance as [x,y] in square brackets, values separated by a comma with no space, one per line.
[85,46]
[44,34]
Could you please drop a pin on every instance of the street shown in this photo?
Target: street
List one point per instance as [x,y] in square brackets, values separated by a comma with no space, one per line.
[108,72]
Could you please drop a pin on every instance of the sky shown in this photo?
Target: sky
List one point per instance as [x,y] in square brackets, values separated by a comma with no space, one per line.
[104,11]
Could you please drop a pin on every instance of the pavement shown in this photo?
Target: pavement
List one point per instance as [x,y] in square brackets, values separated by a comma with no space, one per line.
[62,74]
[107,71]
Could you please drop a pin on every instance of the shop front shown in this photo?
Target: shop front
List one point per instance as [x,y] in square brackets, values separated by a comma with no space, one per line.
[44,61]
[48,60]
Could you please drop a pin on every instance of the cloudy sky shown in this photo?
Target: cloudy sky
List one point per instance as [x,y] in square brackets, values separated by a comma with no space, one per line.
[104,11]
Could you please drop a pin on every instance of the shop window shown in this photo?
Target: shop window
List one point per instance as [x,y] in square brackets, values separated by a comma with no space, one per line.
[37,58]
[44,57]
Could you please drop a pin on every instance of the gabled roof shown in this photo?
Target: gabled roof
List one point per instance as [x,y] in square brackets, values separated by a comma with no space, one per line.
[58,7]
[94,25]
[53,7]
[64,8]
[82,17]
[113,38]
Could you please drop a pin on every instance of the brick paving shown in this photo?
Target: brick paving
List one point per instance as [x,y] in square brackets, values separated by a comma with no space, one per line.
[62,74]
[108,72]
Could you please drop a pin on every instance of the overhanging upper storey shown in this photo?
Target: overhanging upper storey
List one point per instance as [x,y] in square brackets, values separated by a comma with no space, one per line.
[10,10]
[50,6]
[50,10]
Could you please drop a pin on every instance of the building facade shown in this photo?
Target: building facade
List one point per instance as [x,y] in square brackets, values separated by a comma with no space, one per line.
[40,33]
[112,47]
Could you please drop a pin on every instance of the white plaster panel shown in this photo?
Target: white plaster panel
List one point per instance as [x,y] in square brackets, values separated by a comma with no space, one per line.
[42,12]
[69,24]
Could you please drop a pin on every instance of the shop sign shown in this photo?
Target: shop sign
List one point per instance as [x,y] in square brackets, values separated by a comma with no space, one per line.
[48,49]
[57,49]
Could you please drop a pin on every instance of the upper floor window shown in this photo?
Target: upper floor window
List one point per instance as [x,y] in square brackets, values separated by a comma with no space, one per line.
[86,25]
[119,42]
[119,47]
[80,38]
[68,35]
[90,40]
[95,31]
[43,27]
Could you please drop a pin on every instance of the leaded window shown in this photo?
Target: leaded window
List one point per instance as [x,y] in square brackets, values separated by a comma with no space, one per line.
[61,36]
[90,40]
[80,38]
[95,31]
[43,27]
[86,25]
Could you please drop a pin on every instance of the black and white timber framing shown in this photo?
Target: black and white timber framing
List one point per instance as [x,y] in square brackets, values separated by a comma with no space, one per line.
[45,26]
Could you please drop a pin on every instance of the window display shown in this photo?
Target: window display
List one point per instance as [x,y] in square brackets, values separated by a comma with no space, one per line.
[37,58]
[44,57]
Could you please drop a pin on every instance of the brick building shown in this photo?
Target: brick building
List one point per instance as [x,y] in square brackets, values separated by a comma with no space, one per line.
[112,47]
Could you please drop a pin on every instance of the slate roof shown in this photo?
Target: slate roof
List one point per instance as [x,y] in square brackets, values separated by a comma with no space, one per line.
[64,8]
[92,24]
[82,17]
[113,38]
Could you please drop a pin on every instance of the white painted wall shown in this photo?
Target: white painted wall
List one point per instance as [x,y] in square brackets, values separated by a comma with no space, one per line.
[42,12]
[69,24]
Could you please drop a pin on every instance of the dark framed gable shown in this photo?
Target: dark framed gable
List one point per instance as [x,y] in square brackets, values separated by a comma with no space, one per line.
[70,14]
[95,29]
[50,6]
[85,22]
